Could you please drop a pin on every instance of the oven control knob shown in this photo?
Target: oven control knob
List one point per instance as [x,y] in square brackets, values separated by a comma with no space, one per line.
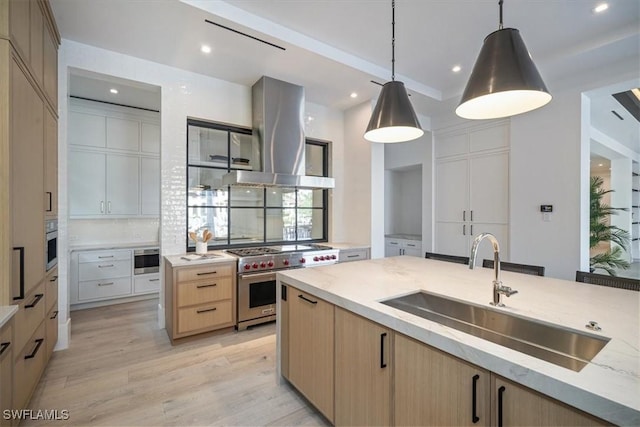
[263,265]
[333,257]
[302,260]
[255,265]
[315,258]
[285,262]
[247,267]
[270,263]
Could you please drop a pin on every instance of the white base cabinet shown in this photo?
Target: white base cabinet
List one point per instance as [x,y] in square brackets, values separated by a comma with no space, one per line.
[396,247]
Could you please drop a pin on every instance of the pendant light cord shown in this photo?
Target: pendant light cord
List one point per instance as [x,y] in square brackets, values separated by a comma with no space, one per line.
[393,40]
[500,27]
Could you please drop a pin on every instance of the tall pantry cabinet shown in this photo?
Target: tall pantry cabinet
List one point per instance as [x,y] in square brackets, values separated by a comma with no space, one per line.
[29,43]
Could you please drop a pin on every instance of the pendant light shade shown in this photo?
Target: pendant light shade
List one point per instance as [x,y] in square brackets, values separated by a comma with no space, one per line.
[393,118]
[504,81]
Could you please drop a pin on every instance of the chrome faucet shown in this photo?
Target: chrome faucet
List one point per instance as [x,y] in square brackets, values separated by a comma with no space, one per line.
[498,289]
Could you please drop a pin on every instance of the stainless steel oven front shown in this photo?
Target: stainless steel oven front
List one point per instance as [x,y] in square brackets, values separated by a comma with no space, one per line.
[256,298]
[146,261]
[51,243]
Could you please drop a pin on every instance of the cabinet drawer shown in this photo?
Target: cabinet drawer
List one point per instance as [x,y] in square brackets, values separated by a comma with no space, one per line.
[104,270]
[207,316]
[29,316]
[204,272]
[51,331]
[353,255]
[146,284]
[204,291]
[51,291]
[6,338]
[28,367]
[101,256]
[97,289]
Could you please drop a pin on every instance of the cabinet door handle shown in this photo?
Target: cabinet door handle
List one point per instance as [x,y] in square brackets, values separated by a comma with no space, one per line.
[105,266]
[474,396]
[53,279]
[207,272]
[206,310]
[105,284]
[205,286]
[105,257]
[101,206]
[4,346]
[20,249]
[411,245]
[500,397]
[283,293]
[39,342]
[154,280]
[55,314]
[35,302]
[471,215]
[464,229]
[471,230]
[383,364]
[464,215]
[353,256]
[307,300]
[109,206]
[50,202]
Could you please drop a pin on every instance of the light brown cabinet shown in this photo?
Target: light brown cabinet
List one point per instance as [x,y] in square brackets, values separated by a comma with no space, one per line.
[362,371]
[50,164]
[311,344]
[29,365]
[6,369]
[199,298]
[51,308]
[434,388]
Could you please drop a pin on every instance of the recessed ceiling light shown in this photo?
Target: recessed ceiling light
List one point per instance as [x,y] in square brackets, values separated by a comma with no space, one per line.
[601,8]
[113,90]
[600,164]
[456,69]
[353,95]
[205,49]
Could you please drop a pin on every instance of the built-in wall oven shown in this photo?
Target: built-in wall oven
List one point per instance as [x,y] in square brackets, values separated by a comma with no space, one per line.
[146,261]
[51,243]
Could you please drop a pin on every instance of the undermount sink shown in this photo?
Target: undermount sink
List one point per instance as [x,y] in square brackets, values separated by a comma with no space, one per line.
[564,347]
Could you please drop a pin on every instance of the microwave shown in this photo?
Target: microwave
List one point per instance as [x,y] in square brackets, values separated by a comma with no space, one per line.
[146,261]
[51,243]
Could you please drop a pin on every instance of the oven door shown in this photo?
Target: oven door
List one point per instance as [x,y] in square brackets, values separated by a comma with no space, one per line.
[146,261]
[51,249]
[256,298]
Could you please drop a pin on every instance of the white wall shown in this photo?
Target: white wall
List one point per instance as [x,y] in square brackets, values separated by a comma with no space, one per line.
[183,94]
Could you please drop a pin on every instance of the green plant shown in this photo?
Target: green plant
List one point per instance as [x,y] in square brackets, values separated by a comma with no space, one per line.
[601,231]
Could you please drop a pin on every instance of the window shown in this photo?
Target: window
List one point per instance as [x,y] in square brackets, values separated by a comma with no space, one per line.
[245,216]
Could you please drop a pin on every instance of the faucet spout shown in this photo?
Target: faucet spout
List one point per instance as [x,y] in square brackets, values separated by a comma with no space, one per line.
[498,289]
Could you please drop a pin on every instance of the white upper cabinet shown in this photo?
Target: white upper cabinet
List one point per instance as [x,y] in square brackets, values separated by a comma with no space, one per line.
[87,129]
[150,138]
[123,134]
[122,185]
[149,186]
[87,183]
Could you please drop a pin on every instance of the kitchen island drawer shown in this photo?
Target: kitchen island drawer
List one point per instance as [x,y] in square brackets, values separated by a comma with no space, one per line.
[102,256]
[104,270]
[347,255]
[214,289]
[51,331]
[31,311]
[146,284]
[204,272]
[106,288]
[51,289]
[29,364]
[204,317]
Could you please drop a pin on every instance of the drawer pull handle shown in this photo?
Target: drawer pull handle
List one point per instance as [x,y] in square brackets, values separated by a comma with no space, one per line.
[383,364]
[53,279]
[206,310]
[207,286]
[55,314]
[105,266]
[307,300]
[35,302]
[4,346]
[500,398]
[353,256]
[105,284]
[154,280]
[20,249]
[50,201]
[39,342]
[207,272]
[474,394]
[105,256]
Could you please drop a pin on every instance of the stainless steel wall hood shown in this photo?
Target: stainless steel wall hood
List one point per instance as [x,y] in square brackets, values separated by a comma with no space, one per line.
[278,124]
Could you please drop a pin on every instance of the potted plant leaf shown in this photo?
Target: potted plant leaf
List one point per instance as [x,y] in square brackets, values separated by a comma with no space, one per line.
[602,231]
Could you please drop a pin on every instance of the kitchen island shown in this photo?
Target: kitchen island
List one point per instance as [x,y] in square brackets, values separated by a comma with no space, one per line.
[608,387]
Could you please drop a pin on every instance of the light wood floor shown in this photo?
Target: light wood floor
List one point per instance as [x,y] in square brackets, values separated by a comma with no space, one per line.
[121,370]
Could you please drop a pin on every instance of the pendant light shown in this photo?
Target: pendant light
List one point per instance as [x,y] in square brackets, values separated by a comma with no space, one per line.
[393,119]
[504,81]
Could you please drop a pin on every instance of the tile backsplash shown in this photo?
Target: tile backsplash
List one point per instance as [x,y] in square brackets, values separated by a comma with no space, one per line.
[97,231]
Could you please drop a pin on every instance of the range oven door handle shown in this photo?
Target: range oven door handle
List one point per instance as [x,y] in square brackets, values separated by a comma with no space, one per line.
[243,276]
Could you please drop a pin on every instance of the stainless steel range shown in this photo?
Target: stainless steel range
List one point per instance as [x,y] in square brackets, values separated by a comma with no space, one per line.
[257,269]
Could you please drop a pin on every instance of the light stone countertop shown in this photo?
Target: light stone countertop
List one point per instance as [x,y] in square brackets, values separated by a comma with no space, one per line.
[92,246]
[6,313]
[608,387]
[346,245]
[213,258]
[404,236]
